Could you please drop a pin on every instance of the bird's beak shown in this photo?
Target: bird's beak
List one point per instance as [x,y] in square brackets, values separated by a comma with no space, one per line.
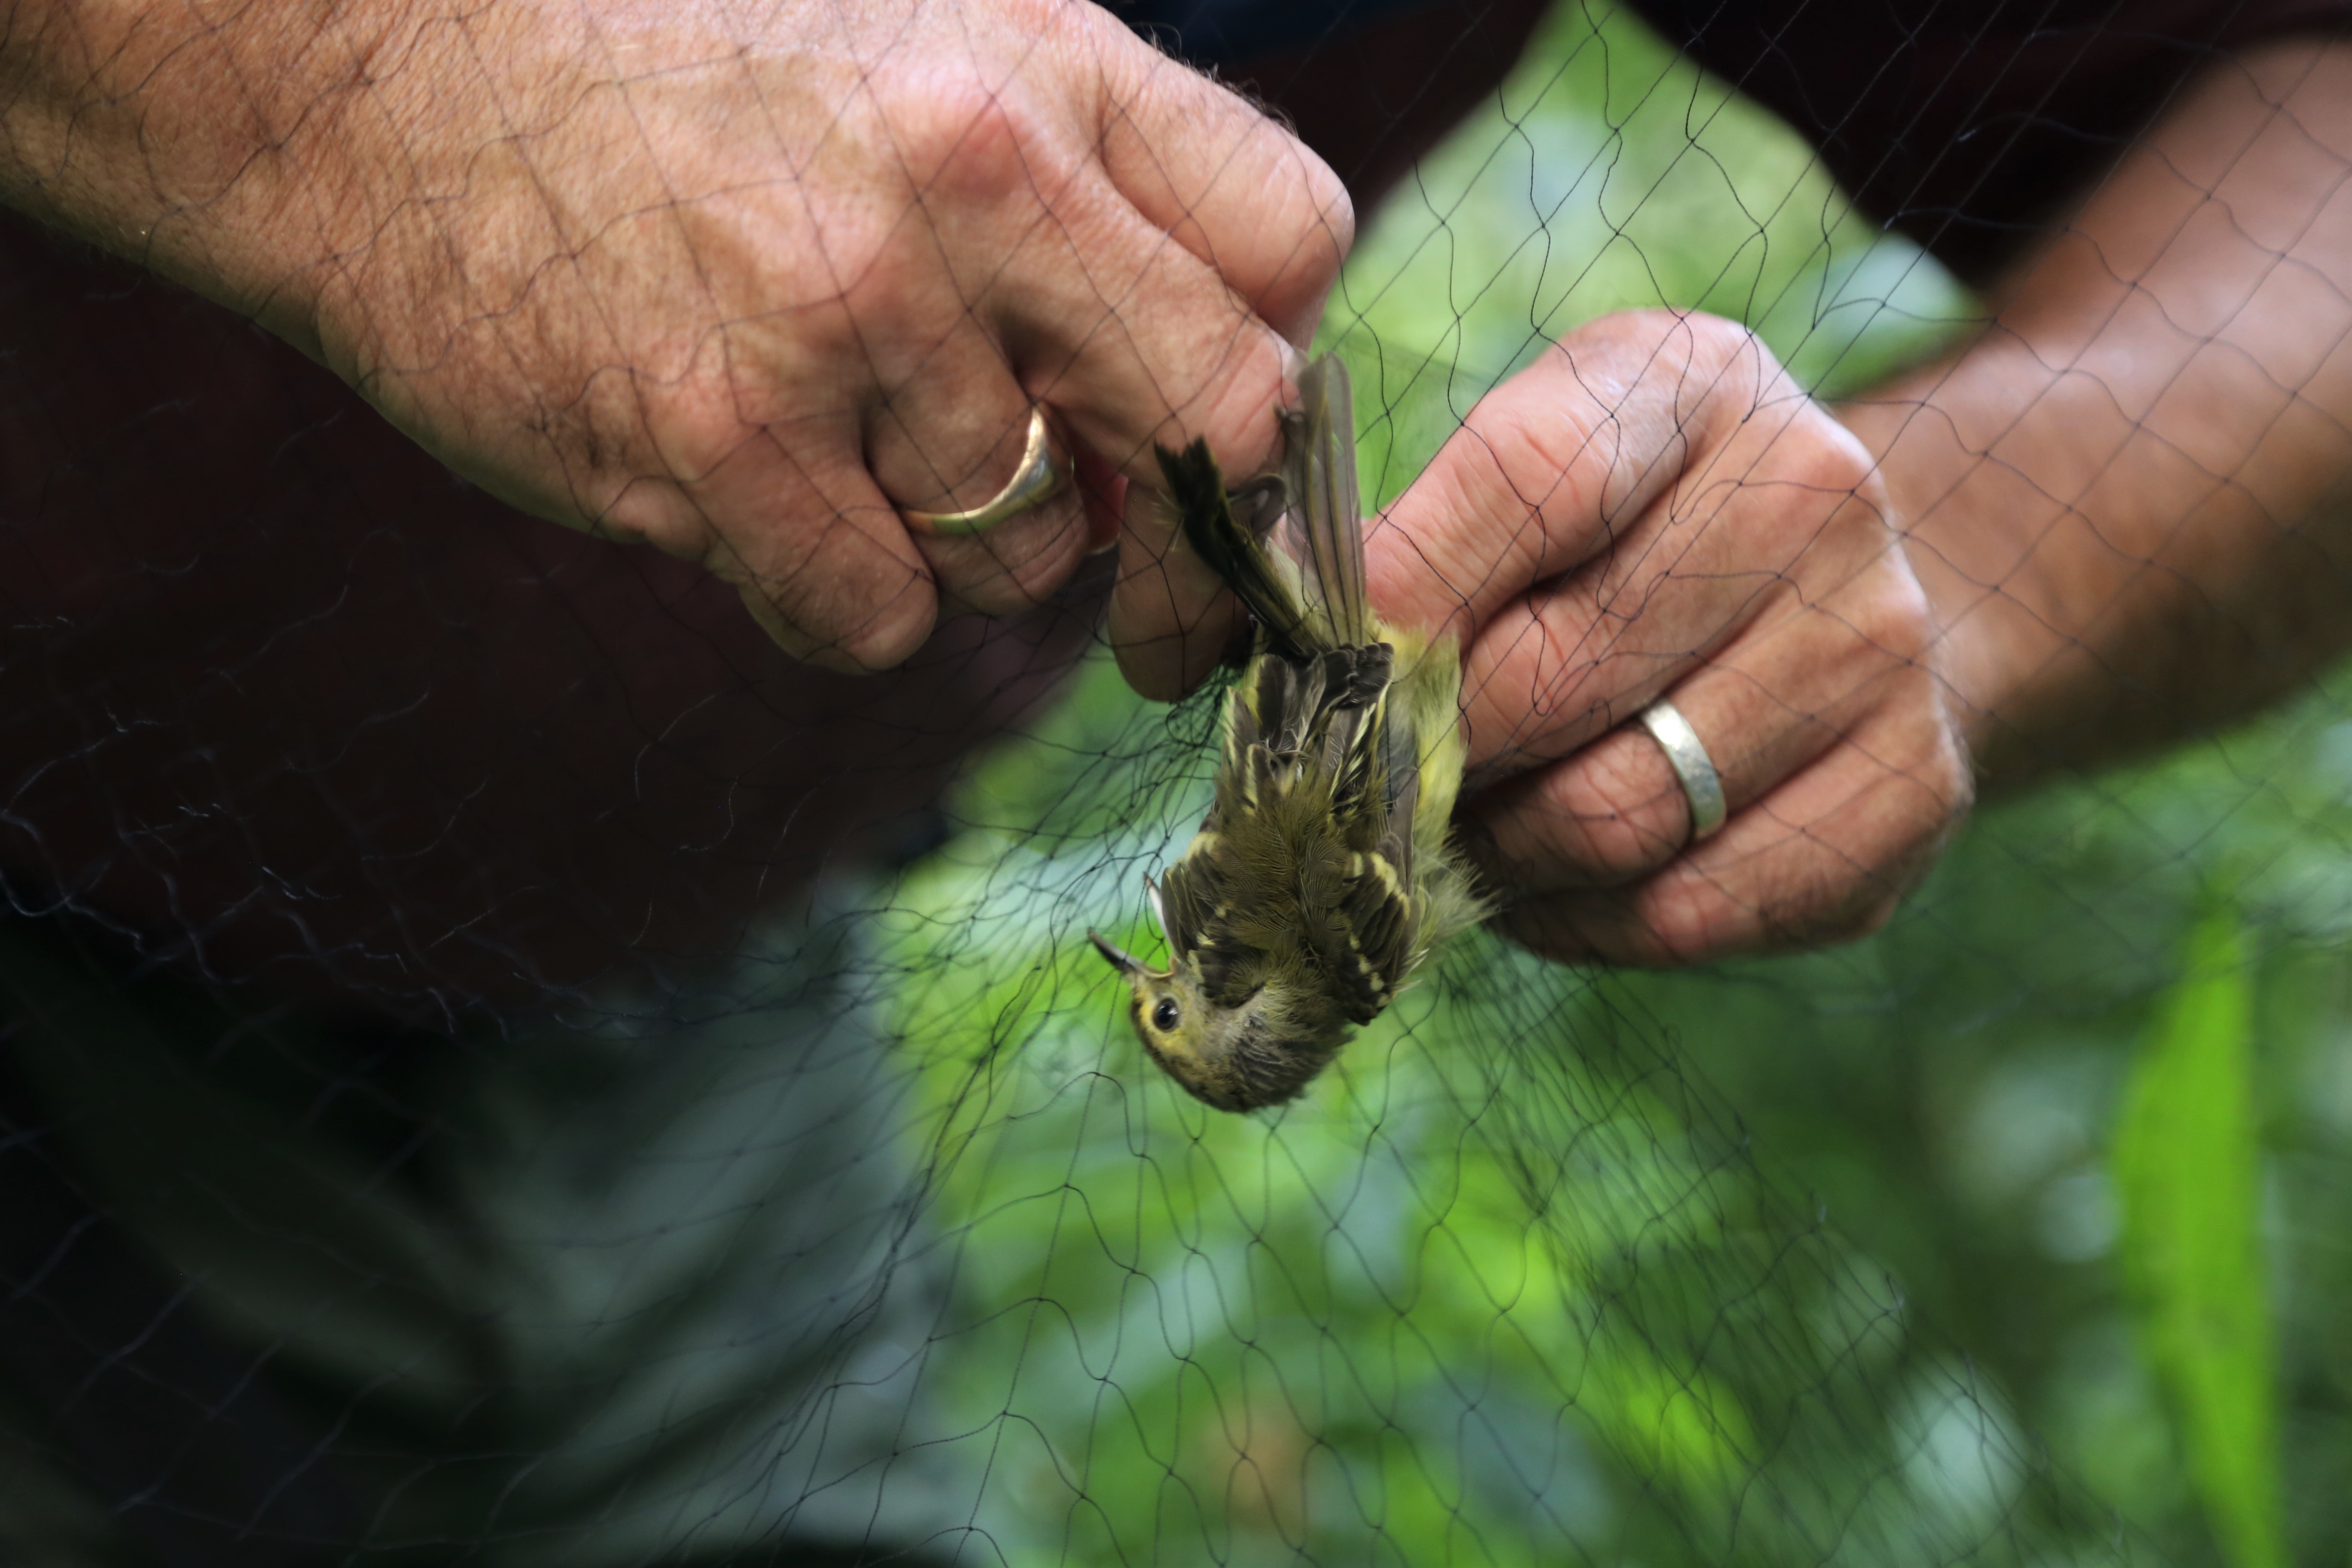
[1124,962]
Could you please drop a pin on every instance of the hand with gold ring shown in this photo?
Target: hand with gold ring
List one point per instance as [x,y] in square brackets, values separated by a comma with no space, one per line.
[1043,473]
[1704,712]
[764,289]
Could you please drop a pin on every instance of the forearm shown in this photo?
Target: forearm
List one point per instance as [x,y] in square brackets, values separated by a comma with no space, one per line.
[2128,500]
[202,141]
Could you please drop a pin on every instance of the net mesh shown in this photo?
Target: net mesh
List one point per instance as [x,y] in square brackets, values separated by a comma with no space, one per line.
[867,1234]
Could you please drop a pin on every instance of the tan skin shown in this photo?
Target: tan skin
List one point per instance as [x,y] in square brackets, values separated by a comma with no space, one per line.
[477,222]
[513,229]
[734,279]
[2118,516]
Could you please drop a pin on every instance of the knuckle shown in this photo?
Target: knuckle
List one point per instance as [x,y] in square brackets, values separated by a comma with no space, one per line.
[1042,18]
[1562,690]
[888,273]
[1658,396]
[1728,372]
[1287,269]
[892,628]
[1233,401]
[1544,455]
[1836,463]
[1815,498]
[1930,796]
[1535,472]
[696,427]
[1717,342]
[1834,902]
[1297,202]
[1894,616]
[1032,582]
[1308,215]
[1334,210]
[1014,568]
[1949,777]
[960,140]
[598,432]
[838,595]
[1694,338]
[658,514]
[1685,916]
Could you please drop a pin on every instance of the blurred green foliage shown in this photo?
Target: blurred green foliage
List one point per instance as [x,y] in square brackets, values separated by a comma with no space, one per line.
[2187,1167]
[1807,1260]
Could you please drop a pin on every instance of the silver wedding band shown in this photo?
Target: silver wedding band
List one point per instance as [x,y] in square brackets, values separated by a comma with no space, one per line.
[1687,755]
[1044,470]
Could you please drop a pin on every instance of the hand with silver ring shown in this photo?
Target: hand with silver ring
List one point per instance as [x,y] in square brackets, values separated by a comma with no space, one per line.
[1654,508]
[1693,769]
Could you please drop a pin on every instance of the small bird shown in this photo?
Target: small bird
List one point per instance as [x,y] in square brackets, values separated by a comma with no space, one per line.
[1324,872]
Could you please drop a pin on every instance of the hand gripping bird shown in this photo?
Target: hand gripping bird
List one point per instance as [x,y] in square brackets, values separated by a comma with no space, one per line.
[1323,874]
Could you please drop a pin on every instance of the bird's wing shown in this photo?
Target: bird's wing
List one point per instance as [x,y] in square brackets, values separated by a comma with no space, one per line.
[1305,590]
[1398,781]
[1196,493]
[1188,894]
[1366,944]
[1325,508]
[1198,925]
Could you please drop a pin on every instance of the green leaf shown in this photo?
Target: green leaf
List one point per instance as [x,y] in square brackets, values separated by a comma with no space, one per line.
[2187,1174]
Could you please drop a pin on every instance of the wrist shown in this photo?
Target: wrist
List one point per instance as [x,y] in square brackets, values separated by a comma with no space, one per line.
[2093,594]
[1930,466]
[223,152]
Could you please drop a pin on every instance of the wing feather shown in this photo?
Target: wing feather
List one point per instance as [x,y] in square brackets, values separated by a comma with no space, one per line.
[1320,470]
[1196,493]
[1188,892]
[1366,942]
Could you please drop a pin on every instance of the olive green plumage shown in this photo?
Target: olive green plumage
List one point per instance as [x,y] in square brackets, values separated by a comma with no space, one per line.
[1324,873]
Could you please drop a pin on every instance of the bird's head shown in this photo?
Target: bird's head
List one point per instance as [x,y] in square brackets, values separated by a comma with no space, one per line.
[1236,1058]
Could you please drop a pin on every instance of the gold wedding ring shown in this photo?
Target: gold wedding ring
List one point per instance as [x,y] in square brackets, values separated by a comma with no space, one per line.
[1687,755]
[1045,469]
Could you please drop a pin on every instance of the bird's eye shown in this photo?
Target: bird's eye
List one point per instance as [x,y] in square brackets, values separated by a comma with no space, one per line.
[1164,1017]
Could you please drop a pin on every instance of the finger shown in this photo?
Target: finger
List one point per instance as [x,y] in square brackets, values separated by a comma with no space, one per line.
[1170,616]
[1561,463]
[1229,183]
[840,583]
[950,439]
[1102,490]
[1789,522]
[1823,858]
[1557,670]
[1014,232]
[1769,707]
[1170,357]
[1150,302]
[1171,620]
[1143,345]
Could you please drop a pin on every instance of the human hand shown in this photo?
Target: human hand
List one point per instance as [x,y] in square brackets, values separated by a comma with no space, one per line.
[1655,509]
[741,283]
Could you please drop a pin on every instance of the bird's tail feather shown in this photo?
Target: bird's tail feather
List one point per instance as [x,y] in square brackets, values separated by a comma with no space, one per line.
[1316,603]
[1320,470]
